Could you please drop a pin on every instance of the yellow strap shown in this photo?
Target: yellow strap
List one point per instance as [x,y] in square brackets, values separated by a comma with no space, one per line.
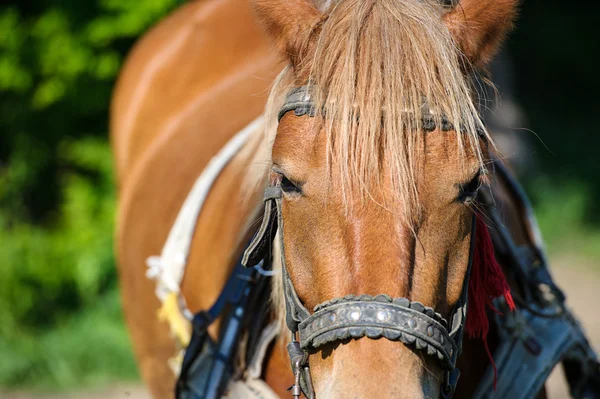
[180,327]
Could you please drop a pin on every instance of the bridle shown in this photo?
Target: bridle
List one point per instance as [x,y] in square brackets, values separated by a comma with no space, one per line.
[351,316]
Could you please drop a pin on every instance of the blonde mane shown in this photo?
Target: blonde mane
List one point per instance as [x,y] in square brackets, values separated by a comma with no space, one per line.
[376,63]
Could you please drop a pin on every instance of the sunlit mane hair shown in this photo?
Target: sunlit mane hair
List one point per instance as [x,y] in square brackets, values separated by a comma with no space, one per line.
[377,65]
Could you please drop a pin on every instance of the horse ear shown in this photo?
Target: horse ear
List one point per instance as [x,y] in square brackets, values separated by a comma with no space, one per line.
[289,23]
[479,26]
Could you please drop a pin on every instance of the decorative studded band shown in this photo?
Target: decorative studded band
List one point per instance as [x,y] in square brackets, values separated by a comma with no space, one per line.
[300,100]
[398,319]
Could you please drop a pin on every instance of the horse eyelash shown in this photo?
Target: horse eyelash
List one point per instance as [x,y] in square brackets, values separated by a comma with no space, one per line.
[287,185]
[468,191]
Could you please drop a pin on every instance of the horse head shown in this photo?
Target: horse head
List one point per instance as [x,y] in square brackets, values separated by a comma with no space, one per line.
[378,155]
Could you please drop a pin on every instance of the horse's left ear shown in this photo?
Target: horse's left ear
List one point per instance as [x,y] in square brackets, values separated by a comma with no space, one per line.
[479,26]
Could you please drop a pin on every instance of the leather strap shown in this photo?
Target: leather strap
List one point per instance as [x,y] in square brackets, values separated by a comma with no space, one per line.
[542,331]
[398,319]
[300,100]
[236,293]
[261,244]
[530,346]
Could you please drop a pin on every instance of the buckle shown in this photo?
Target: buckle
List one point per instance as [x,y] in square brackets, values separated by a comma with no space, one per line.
[201,321]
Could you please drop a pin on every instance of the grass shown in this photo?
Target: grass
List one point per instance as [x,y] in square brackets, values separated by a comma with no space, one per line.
[89,350]
[561,213]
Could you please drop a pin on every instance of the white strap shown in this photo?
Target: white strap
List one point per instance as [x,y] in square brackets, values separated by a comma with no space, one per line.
[168,268]
[268,335]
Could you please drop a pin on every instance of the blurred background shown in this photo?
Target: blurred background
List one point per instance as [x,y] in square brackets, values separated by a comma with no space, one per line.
[61,327]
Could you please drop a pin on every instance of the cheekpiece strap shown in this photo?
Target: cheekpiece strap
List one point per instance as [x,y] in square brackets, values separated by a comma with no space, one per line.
[259,249]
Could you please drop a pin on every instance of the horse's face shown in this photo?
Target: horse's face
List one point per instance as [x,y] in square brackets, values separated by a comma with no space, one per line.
[338,245]
[333,248]
[342,238]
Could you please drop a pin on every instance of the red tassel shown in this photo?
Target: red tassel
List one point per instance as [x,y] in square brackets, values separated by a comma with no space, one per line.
[486,283]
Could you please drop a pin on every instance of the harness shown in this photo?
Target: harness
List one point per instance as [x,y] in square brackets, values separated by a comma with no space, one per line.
[533,339]
[542,331]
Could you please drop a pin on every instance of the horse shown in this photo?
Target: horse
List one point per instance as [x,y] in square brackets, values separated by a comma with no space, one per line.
[376,199]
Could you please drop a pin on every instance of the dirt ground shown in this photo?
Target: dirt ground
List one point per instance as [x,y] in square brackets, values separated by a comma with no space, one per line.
[117,392]
[581,285]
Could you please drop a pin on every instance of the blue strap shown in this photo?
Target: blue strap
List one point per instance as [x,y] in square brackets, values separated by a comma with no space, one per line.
[235,292]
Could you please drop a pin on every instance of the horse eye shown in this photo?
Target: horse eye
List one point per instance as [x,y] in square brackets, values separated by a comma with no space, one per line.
[288,186]
[468,192]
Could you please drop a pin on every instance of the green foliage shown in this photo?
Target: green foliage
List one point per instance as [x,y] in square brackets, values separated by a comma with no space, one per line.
[89,349]
[58,64]
[52,270]
[557,86]
[60,318]
[561,213]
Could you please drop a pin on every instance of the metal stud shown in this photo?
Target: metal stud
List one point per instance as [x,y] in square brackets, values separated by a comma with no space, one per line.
[383,315]
[412,323]
[355,314]
[430,331]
